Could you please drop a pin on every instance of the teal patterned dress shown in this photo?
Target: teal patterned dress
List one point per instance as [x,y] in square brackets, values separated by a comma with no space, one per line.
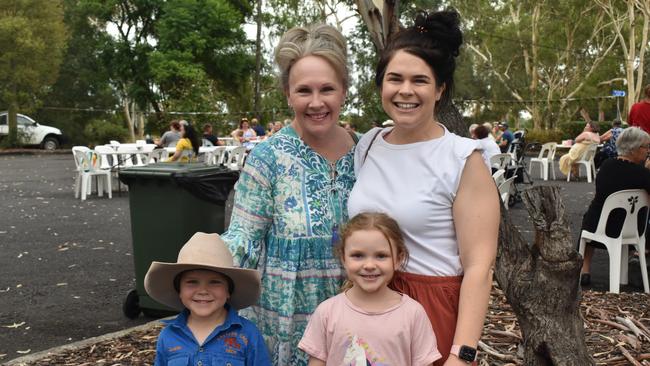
[289,202]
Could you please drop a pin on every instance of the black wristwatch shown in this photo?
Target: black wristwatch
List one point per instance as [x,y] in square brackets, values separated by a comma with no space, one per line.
[465,353]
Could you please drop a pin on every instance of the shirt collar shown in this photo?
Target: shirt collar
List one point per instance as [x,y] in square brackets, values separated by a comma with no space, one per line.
[232,318]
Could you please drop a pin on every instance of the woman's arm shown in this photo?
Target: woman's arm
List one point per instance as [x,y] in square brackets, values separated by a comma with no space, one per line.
[476,214]
[176,156]
[588,136]
[606,136]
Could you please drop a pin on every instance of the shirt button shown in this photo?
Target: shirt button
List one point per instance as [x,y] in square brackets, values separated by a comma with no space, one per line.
[228,364]
[199,363]
[200,349]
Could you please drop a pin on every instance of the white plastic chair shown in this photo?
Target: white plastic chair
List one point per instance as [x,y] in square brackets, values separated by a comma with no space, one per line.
[587,159]
[632,201]
[146,156]
[215,156]
[499,177]
[545,159]
[236,158]
[159,155]
[501,161]
[88,166]
[505,190]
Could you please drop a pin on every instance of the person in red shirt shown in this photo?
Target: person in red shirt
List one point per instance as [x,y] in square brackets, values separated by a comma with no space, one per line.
[640,112]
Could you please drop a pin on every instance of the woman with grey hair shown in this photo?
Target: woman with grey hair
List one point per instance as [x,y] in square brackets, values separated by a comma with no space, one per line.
[627,171]
[292,194]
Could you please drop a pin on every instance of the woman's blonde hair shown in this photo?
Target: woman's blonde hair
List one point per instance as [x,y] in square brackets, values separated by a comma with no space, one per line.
[374,221]
[315,40]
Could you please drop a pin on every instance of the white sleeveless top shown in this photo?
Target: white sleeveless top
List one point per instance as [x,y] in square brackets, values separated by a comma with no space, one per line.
[415,184]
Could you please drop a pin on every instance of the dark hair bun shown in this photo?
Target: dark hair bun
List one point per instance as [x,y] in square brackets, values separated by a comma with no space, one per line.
[443,27]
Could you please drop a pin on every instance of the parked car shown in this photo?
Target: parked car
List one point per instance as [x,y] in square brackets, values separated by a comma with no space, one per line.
[32,133]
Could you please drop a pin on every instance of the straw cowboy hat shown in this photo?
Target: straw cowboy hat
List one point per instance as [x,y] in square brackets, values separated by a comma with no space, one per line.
[202,251]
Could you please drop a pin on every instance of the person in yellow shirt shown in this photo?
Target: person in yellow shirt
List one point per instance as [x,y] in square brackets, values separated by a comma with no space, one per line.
[187,148]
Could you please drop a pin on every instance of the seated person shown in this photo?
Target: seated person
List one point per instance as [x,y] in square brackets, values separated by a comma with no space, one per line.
[208,290]
[187,148]
[505,138]
[171,137]
[208,135]
[490,148]
[588,136]
[623,172]
[609,146]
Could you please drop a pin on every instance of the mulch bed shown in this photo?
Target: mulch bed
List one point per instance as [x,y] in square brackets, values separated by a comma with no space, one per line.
[616,332]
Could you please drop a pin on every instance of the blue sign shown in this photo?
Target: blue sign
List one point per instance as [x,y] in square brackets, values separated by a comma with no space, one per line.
[618,93]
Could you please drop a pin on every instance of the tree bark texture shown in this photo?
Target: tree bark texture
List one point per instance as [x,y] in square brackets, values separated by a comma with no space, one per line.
[453,120]
[540,281]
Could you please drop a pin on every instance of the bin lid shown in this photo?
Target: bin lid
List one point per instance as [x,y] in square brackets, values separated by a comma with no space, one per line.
[159,170]
[207,182]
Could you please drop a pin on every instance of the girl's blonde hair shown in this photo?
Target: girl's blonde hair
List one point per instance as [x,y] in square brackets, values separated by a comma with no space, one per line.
[374,221]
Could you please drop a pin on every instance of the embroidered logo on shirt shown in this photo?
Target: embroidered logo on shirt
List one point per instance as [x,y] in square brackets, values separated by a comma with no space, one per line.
[174,349]
[233,342]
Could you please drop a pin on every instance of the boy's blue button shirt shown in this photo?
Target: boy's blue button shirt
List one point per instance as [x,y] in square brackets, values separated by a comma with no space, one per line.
[236,342]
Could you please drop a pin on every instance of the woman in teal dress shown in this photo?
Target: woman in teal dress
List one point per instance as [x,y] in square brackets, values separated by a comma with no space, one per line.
[292,194]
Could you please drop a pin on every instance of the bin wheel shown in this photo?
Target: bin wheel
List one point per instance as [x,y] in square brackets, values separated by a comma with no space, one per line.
[131,305]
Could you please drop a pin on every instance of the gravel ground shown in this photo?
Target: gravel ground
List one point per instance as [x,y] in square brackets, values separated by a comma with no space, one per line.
[66,264]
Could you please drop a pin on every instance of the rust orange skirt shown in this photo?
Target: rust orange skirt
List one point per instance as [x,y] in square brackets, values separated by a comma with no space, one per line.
[439,297]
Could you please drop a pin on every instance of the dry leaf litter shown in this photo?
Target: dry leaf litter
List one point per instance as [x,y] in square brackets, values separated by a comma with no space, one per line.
[617,332]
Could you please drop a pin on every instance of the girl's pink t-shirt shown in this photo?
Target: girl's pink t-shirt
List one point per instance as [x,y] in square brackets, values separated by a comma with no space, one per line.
[340,333]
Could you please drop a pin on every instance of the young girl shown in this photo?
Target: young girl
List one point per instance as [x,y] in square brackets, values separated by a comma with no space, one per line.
[368,323]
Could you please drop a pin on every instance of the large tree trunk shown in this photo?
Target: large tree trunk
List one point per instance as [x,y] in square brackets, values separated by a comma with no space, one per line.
[541,282]
[452,119]
[12,125]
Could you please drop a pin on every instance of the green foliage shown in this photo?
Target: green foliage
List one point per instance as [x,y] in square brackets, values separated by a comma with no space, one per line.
[32,39]
[544,136]
[83,81]
[571,129]
[200,39]
[99,132]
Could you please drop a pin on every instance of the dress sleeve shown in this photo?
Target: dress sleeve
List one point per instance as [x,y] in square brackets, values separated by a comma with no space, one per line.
[252,212]
[424,346]
[314,340]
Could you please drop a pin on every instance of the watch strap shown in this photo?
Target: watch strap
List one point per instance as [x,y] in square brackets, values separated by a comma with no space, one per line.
[456,351]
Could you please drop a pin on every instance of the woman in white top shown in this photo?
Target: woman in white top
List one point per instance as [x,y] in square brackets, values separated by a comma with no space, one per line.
[489,146]
[434,184]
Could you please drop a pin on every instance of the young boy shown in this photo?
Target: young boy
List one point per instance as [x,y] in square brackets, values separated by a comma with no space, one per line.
[208,289]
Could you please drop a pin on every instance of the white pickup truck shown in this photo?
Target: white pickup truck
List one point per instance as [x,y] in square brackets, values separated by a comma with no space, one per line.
[33,133]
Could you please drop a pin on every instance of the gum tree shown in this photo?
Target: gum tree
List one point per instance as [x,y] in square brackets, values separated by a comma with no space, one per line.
[32,39]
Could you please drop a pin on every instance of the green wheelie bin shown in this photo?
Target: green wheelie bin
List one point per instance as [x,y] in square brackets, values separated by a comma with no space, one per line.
[169,202]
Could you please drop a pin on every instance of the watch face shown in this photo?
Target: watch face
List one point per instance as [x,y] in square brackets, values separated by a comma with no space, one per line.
[467,353]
